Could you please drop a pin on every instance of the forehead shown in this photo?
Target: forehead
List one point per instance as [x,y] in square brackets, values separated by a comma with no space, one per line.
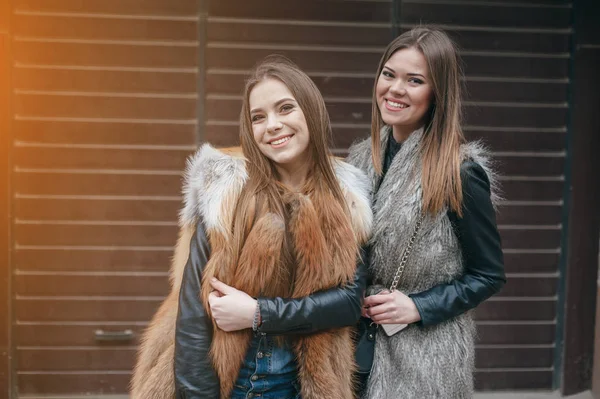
[409,60]
[267,92]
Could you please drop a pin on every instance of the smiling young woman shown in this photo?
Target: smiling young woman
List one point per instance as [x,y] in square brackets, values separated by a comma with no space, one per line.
[433,196]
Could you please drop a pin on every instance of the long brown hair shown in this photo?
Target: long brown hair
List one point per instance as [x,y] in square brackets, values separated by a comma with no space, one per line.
[263,192]
[443,135]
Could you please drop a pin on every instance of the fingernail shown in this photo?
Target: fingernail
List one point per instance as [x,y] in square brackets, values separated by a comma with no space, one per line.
[213,279]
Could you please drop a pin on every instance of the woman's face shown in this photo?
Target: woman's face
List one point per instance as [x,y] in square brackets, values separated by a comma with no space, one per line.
[403,92]
[278,124]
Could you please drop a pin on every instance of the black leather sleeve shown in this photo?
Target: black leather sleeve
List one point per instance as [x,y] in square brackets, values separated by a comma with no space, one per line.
[332,308]
[195,377]
[481,251]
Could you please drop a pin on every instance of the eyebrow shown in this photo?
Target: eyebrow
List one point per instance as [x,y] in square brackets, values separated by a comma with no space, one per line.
[409,74]
[276,104]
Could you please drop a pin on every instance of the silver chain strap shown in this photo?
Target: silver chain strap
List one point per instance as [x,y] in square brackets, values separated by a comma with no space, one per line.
[406,253]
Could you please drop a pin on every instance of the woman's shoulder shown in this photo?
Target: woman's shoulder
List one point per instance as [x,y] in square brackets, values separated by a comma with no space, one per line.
[359,152]
[210,178]
[478,169]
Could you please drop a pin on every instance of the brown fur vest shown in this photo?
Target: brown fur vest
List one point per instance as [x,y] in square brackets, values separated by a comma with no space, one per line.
[325,248]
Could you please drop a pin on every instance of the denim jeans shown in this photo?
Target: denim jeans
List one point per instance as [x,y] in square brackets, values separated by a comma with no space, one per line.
[269,371]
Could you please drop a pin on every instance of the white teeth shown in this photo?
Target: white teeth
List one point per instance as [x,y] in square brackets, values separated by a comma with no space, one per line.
[396,105]
[280,141]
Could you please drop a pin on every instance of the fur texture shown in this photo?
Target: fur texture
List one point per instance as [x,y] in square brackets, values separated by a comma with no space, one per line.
[420,362]
[321,235]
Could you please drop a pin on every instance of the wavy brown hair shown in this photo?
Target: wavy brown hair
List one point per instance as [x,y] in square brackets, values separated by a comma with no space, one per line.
[443,135]
[263,191]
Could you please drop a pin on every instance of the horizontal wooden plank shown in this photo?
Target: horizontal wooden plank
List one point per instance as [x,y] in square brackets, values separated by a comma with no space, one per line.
[92,260]
[516,310]
[360,112]
[133,7]
[96,184]
[530,165]
[91,235]
[534,286]
[73,383]
[73,334]
[97,209]
[531,262]
[529,215]
[238,57]
[106,28]
[74,359]
[313,10]
[114,55]
[519,334]
[84,106]
[88,309]
[281,31]
[530,238]
[95,285]
[485,14]
[532,190]
[513,380]
[519,140]
[73,80]
[502,357]
[96,158]
[141,132]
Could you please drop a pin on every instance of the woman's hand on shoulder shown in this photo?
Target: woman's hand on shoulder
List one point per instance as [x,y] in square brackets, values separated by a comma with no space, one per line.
[231,308]
[391,308]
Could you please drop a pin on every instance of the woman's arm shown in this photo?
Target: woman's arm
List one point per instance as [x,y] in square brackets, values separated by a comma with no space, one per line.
[331,308]
[481,251]
[195,377]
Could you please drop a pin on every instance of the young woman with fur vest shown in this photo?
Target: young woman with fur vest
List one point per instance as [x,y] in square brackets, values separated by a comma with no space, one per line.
[420,164]
[286,220]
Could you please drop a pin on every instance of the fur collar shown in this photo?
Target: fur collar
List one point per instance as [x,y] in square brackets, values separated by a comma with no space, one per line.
[212,176]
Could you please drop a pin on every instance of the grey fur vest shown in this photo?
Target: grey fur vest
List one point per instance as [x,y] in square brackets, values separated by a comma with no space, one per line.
[419,362]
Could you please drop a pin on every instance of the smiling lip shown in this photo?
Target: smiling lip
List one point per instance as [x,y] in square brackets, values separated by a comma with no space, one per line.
[393,108]
[279,141]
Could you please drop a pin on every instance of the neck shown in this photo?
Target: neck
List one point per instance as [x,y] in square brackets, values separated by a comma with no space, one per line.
[293,176]
[401,133]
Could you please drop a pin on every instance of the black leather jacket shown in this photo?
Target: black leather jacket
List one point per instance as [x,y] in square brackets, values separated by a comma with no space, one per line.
[195,377]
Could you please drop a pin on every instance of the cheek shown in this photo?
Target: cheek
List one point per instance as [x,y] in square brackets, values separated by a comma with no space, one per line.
[257,131]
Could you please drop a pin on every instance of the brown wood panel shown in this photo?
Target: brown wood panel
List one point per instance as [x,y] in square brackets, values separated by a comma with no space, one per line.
[105,28]
[313,10]
[379,35]
[239,57]
[92,235]
[519,140]
[532,165]
[104,382]
[486,14]
[115,55]
[133,7]
[518,379]
[516,91]
[530,286]
[86,309]
[31,156]
[529,215]
[507,357]
[93,260]
[37,334]
[97,209]
[526,238]
[75,359]
[32,78]
[531,262]
[532,190]
[44,284]
[520,334]
[96,184]
[499,309]
[146,133]
[92,106]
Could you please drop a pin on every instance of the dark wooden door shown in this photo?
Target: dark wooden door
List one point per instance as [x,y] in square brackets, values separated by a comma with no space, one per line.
[104,102]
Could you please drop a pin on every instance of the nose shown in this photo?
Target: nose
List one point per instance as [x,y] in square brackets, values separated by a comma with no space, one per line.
[398,87]
[273,124]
